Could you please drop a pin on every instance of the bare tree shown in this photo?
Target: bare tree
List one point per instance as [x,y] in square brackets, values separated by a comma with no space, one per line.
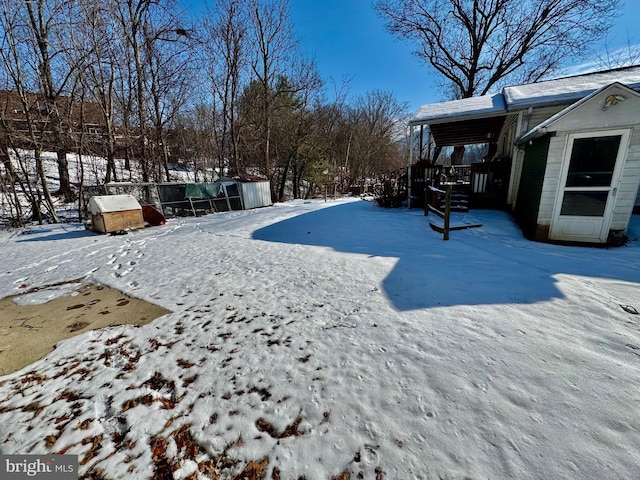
[621,57]
[26,130]
[143,26]
[274,44]
[170,57]
[226,52]
[47,25]
[293,140]
[99,71]
[476,44]
[374,121]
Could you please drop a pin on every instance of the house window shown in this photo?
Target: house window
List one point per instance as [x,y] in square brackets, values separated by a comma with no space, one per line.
[593,161]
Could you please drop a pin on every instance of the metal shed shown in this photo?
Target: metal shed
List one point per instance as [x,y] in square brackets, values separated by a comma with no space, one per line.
[112,213]
[256,191]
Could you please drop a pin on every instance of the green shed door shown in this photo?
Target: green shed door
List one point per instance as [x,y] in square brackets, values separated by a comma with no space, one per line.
[530,189]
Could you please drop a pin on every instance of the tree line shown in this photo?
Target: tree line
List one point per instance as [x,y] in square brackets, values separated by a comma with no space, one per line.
[228,92]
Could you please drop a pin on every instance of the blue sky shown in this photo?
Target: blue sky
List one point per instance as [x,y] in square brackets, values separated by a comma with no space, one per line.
[349,41]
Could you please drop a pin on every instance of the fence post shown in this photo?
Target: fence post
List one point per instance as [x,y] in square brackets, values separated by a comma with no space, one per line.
[447,212]
[427,194]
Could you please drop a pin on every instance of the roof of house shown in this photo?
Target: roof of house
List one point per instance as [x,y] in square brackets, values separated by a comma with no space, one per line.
[12,108]
[541,129]
[567,90]
[561,91]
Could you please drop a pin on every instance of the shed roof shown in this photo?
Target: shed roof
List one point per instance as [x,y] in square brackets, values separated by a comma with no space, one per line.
[247,178]
[112,203]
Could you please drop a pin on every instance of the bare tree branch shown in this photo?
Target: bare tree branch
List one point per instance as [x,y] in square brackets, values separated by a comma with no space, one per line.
[478,44]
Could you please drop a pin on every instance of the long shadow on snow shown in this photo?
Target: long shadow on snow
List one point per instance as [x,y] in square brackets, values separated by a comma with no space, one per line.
[488,266]
[64,235]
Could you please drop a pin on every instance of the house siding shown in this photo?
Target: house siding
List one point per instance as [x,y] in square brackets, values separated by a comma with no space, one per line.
[539,115]
[507,137]
[629,184]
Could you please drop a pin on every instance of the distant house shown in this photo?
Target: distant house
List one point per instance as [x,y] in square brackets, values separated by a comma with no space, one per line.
[76,118]
[573,145]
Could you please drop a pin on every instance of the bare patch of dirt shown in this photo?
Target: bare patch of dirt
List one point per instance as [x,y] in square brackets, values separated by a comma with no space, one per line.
[29,331]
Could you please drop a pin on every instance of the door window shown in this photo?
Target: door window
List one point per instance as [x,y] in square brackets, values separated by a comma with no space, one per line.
[592,161]
[584,204]
[591,167]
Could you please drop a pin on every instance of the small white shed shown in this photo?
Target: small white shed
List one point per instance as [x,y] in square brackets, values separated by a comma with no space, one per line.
[591,154]
[112,213]
[255,191]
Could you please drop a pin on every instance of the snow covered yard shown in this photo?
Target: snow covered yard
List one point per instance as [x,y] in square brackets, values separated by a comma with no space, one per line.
[335,340]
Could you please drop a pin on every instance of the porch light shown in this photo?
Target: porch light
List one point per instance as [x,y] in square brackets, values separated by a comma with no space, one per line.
[612,100]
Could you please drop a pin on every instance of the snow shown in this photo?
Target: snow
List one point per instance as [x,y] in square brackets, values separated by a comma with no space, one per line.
[112,203]
[93,173]
[337,336]
[40,297]
[483,106]
[569,89]
[541,128]
[562,91]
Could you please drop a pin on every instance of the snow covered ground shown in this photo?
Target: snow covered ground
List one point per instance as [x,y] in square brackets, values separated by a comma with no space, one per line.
[315,339]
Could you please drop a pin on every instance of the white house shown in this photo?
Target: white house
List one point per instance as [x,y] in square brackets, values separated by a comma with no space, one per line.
[573,145]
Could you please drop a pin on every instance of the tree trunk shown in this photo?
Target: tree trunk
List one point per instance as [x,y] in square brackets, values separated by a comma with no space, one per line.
[295,181]
[283,182]
[45,189]
[66,192]
[10,182]
[457,155]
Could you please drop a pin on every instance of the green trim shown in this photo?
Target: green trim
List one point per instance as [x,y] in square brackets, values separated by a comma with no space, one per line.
[531,181]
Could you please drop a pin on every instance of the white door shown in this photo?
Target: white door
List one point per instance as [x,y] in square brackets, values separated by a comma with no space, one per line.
[590,174]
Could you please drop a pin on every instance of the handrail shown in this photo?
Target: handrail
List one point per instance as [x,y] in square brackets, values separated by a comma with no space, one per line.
[446,215]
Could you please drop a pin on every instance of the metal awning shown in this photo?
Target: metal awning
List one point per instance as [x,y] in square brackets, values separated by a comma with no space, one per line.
[463,122]
[467,132]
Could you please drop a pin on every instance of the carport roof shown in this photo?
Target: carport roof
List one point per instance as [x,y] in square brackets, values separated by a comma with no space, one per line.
[467,108]
[479,119]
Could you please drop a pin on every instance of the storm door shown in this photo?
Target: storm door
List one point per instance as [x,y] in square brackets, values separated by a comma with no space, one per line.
[590,174]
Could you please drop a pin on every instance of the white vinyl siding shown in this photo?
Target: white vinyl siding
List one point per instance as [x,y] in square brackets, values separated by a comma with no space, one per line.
[628,186]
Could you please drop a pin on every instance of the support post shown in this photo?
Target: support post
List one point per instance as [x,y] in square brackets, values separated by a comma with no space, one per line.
[427,194]
[226,197]
[447,212]
[410,143]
